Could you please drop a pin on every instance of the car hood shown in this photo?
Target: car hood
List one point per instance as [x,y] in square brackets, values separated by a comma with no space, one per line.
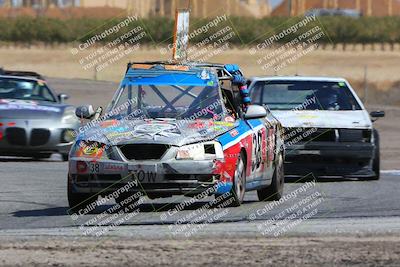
[324,118]
[24,109]
[169,132]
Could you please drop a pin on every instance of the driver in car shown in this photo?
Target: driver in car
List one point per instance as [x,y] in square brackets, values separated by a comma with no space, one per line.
[327,99]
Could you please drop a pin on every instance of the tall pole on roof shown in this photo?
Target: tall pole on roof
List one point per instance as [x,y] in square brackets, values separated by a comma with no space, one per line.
[289,8]
[181,34]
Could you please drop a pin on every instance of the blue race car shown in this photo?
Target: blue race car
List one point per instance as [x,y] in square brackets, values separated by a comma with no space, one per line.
[177,129]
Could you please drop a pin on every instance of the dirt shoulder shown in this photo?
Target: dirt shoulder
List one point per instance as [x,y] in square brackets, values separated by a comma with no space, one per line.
[293,251]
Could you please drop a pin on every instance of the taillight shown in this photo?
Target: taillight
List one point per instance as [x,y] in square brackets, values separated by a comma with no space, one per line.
[11,124]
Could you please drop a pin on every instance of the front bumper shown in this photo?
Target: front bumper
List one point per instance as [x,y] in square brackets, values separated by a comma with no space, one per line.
[330,159]
[153,178]
[32,137]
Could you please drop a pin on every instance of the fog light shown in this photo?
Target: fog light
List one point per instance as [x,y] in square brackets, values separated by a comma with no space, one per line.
[81,167]
[68,136]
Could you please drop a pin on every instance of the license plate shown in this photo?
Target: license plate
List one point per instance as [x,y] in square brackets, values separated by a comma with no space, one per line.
[94,167]
[144,173]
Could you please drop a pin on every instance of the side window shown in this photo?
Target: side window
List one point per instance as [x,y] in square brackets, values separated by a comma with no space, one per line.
[42,92]
[46,94]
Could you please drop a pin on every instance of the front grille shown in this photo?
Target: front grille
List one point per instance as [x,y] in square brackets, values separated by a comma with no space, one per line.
[82,178]
[350,135]
[109,177]
[143,151]
[16,136]
[205,178]
[39,137]
[295,135]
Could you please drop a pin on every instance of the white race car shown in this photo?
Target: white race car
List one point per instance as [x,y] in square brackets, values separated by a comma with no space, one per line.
[328,132]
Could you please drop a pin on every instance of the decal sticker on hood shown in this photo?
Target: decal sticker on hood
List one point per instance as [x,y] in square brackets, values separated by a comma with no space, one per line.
[6,104]
[154,131]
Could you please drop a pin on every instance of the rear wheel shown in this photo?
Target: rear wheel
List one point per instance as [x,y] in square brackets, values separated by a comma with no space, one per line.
[275,190]
[239,182]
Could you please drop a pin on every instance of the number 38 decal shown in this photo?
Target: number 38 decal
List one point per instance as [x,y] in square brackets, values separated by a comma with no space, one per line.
[271,145]
[258,146]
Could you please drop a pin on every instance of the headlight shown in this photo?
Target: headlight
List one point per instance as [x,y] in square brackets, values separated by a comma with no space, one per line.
[201,151]
[90,149]
[69,117]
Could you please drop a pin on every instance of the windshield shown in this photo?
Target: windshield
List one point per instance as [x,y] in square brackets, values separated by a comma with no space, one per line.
[167,101]
[11,88]
[304,95]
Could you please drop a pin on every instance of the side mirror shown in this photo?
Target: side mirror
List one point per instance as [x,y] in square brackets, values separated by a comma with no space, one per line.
[255,112]
[377,114]
[62,98]
[85,112]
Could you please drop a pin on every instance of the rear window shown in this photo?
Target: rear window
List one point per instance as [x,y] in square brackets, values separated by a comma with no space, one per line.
[304,95]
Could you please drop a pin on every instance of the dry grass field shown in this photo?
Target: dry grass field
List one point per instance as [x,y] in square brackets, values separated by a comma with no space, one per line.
[383,66]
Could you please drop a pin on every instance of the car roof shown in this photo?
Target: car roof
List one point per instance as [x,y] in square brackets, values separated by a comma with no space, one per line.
[159,74]
[20,78]
[298,78]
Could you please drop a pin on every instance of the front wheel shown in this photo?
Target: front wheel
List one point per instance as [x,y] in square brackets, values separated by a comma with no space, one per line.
[127,201]
[41,156]
[65,157]
[239,183]
[275,190]
[376,162]
[78,201]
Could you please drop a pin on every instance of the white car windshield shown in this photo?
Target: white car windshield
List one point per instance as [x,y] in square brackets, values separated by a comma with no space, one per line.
[304,95]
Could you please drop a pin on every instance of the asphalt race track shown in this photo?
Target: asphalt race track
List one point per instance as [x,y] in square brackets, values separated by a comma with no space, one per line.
[34,195]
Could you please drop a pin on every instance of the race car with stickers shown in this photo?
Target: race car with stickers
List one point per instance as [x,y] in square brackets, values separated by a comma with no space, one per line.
[34,122]
[177,130]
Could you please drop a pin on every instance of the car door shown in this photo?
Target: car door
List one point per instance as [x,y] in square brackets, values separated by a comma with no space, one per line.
[261,151]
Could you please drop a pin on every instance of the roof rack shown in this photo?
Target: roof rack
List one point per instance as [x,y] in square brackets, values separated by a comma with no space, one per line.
[29,74]
[223,73]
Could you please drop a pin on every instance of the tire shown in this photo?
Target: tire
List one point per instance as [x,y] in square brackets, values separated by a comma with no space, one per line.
[78,201]
[274,192]
[65,157]
[42,156]
[126,207]
[376,163]
[239,183]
